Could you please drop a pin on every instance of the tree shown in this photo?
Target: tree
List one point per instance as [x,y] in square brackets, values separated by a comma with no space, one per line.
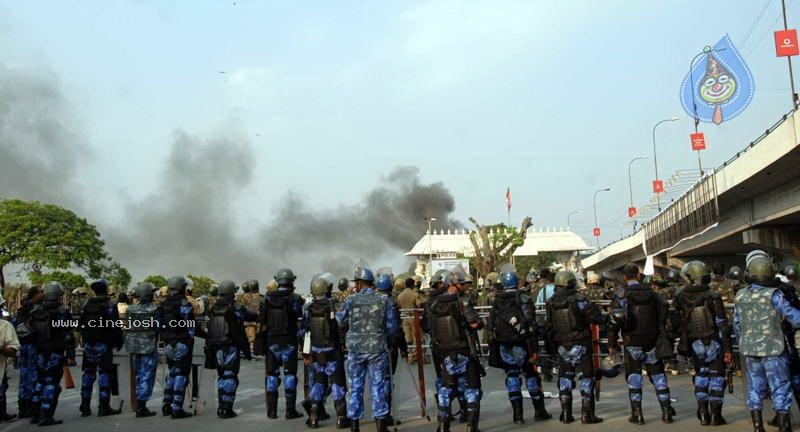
[117,275]
[68,279]
[495,244]
[45,235]
[202,284]
[158,281]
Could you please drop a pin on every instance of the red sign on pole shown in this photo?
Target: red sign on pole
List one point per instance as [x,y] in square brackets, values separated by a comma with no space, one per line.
[658,186]
[698,141]
[597,232]
[631,212]
[786,43]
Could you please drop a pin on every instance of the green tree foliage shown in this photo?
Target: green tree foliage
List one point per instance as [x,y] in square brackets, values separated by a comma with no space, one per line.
[36,234]
[202,284]
[68,279]
[494,245]
[158,281]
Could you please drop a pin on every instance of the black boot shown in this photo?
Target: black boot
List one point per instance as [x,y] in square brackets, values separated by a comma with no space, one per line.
[716,414]
[540,410]
[342,421]
[313,415]
[86,407]
[382,425]
[587,411]
[227,411]
[291,411]
[462,405]
[472,421]
[636,413]
[36,412]
[142,411]
[444,424]
[23,407]
[323,415]
[702,412]
[566,412]
[180,414]
[166,409]
[272,405]
[516,407]
[784,422]
[667,411]
[758,423]
[49,421]
[354,426]
[104,409]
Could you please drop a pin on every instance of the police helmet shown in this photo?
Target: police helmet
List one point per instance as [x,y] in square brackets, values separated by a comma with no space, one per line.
[363,274]
[492,280]
[565,279]
[343,284]
[611,366]
[253,286]
[697,272]
[399,284]
[227,289]
[790,272]
[53,291]
[384,282]
[510,280]
[754,254]
[285,277]
[735,273]
[453,278]
[177,285]
[673,276]
[214,292]
[246,286]
[438,276]
[760,270]
[100,286]
[319,287]
[144,292]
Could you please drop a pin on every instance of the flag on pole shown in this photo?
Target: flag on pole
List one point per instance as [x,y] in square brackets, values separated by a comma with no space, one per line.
[508,198]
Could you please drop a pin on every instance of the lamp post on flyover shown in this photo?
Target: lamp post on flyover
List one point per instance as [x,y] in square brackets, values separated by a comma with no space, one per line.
[632,209]
[658,185]
[570,215]
[597,228]
[430,247]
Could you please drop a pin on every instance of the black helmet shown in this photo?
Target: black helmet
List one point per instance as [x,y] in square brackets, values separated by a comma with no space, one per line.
[99,286]
[566,279]
[246,286]
[227,289]
[214,292]
[790,272]
[673,275]
[285,277]
[144,292]
[53,291]
[735,273]
[253,286]
[177,285]
[343,284]
[761,271]
[611,366]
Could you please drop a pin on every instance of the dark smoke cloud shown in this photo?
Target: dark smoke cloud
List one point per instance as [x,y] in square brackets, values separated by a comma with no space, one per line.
[40,147]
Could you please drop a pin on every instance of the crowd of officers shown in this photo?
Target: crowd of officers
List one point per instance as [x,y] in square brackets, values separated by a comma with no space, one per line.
[354,337]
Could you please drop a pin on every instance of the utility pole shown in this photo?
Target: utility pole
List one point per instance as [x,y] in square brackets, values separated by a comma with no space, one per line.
[789,58]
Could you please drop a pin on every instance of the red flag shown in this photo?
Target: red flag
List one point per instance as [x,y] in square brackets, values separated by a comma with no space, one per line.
[508,198]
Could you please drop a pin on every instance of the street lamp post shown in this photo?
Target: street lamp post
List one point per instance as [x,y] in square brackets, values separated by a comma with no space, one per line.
[570,215]
[430,246]
[655,155]
[630,186]
[594,204]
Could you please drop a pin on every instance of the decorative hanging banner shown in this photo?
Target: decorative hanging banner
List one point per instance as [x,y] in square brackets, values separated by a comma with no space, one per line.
[698,141]
[719,86]
[658,186]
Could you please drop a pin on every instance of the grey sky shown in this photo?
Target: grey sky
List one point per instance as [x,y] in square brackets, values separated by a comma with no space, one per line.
[551,98]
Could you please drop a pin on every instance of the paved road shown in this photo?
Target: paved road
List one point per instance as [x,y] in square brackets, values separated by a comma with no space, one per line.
[496,415]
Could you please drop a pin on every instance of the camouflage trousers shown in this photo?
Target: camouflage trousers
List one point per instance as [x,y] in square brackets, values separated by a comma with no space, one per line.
[49,370]
[27,371]
[772,371]
[227,360]
[709,378]
[575,362]
[145,367]
[636,358]
[458,367]
[179,362]
[327,375]
[97,365]
[376,366]
[516,362]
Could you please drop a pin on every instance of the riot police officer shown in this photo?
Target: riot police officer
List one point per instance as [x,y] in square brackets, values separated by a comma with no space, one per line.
[396,342]
[326,358]
[641,315]
[141,342]
[225,340]
[514,337]
[342,294]
[28,354]
[368,319]
[569,335]
[55,343]
[278,317]
[178,345]
[452,321]
[99,337]
[707,339]
[760,309]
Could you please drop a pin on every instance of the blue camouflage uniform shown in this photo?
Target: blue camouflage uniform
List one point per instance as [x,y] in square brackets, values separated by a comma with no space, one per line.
[141,343]
[55,344]
[368,317]
[280,312]
[757,321]
[26,358]
[99,337]
[177,332]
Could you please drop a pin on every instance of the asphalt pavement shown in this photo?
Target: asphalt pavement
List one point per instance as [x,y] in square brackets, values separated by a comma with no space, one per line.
[495,416]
